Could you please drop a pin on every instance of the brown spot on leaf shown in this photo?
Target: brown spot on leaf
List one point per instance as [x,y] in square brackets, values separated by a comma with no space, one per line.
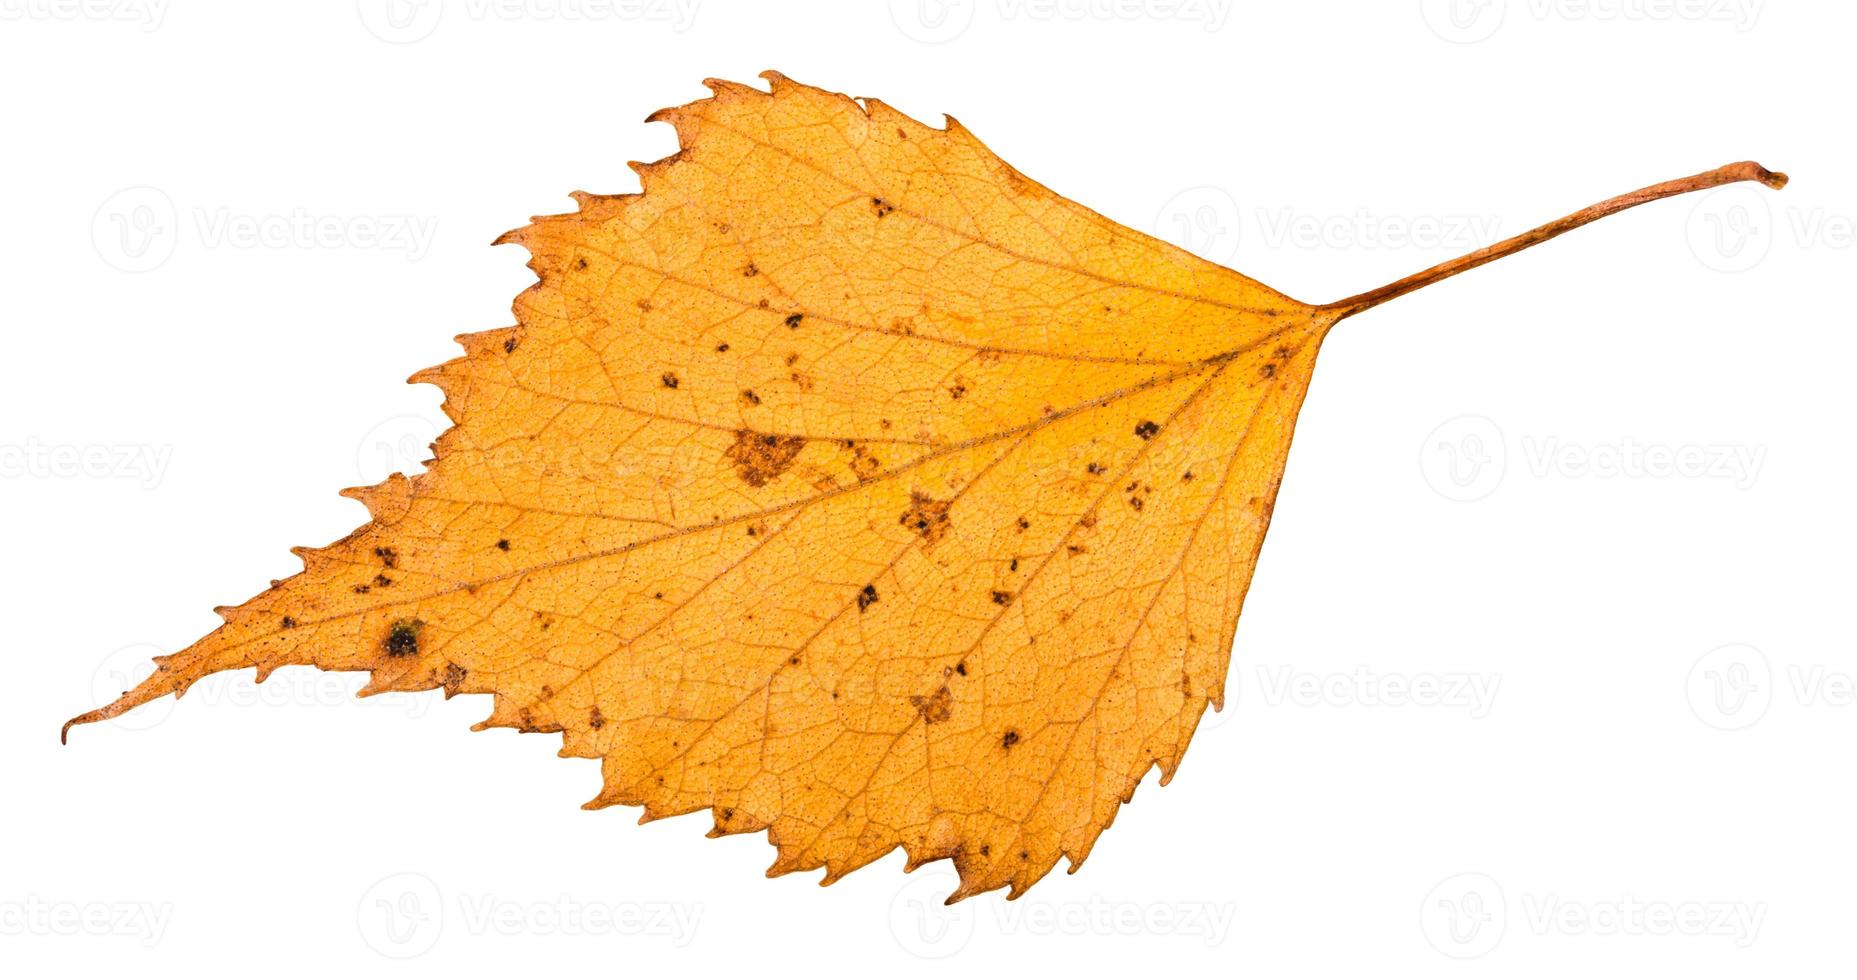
[759,457]
[928,517]
[866,596]
[934,708]
[403,638]
[502,544]
[388,557]
[1147,428]
[596,720]
[1010,739]
[881,206]
[669,379]
[793,320]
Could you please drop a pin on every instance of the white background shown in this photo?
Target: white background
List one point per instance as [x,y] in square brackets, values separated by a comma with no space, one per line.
[1598,494]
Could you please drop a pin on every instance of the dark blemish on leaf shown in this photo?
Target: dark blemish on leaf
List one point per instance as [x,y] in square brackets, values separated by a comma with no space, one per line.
[388,558]
[382,581]
[1096,469]
[900,134]
[881,206]
[961,668]
[759,457]
[1135,502]
[863,464]
[1282,353]
[1024,524]
[1025,855]
[955,391]
[986,849]
[928,517]
[793,320]
[1267,371]
[935,708]
[454,678]
[1010,739]
[644,305]
[883,423]
[289,623]
[502,544]
[1001,598]
[403,638]
[363,589]
[509,346]
[722,348]
[1147,429]
[793,357]
[1087,520]
[1076,549]
[657,595]
[580,263]
[1187,477]
[595,719]
[749,398]
[866,596]
[1014,566]
[794,660]
[669,379]
[749,271]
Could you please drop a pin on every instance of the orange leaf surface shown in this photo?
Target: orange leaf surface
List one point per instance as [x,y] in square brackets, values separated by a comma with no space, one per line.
[847,484]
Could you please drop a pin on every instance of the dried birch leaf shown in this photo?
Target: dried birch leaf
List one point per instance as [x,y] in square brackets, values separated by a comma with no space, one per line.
[846,483]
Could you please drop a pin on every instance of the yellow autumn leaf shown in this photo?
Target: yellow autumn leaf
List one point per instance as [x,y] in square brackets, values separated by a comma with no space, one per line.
[846,483]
